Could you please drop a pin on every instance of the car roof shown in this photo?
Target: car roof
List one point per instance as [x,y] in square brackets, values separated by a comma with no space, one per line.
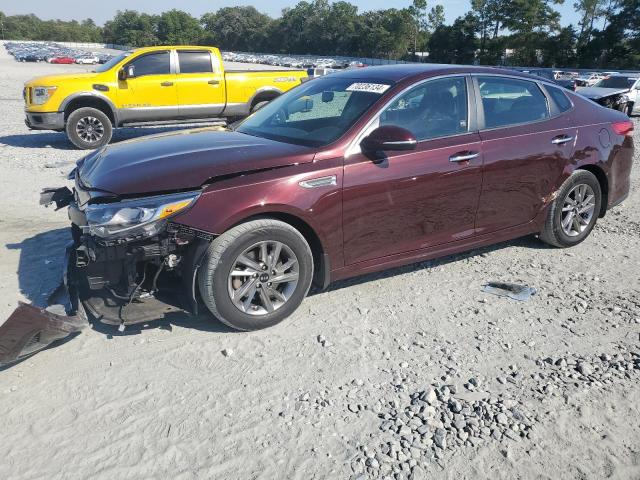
[400,72]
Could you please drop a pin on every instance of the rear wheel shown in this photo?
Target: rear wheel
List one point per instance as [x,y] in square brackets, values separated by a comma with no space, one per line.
[574,212]
[88,128]
[256,274]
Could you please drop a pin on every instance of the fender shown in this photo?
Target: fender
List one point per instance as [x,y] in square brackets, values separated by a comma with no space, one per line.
[228,203]
[93,95]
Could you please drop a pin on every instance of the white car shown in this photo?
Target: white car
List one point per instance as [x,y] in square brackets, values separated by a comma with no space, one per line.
[88,60]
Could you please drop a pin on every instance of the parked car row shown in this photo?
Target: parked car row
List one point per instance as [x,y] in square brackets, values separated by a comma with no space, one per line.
[53,53]
[293,61]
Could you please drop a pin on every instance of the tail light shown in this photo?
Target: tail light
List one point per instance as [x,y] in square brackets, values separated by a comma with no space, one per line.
[623,128]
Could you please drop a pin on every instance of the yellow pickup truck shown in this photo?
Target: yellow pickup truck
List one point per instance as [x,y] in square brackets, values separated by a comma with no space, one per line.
[153,85]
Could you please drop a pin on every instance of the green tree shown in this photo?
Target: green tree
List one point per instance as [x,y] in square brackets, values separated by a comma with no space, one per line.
[237,28]
[176,27]
[132,28]
[419,20]
[436,17]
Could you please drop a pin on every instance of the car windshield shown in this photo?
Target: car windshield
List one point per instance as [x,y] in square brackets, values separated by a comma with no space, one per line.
[316,113]
[615,82]
[114,61]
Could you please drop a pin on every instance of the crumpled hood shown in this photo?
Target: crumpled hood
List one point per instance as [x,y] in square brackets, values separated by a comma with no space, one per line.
[182,160]
[596,93]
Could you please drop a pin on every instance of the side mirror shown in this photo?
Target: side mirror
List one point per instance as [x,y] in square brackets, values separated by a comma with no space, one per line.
[126,72]
[388,137]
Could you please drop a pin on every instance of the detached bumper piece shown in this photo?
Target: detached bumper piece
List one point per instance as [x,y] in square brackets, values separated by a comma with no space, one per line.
[30,329]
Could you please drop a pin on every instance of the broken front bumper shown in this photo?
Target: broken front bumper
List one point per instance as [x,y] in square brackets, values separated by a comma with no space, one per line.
[30,329]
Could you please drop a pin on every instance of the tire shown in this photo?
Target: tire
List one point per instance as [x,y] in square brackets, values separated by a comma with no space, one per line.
[630,109]
[216,284]
[88,128]
[559,235]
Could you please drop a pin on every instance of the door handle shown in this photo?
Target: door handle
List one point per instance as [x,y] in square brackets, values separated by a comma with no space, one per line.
[166,84]
[463,156]
[213,82]
[561,140]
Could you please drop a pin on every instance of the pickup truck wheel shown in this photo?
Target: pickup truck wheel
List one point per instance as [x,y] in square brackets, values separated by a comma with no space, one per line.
[256,274]
[88,128]
[574,212]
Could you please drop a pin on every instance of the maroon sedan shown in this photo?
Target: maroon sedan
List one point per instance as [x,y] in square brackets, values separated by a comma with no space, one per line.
[347,174]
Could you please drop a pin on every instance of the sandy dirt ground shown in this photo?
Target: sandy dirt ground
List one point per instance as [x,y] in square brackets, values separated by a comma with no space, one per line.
[330,393]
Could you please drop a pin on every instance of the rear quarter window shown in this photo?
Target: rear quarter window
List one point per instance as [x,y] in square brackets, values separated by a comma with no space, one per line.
[560,98]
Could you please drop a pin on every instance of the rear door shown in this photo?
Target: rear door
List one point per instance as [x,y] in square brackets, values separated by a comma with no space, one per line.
[421,198]
[201,86]
[526,142]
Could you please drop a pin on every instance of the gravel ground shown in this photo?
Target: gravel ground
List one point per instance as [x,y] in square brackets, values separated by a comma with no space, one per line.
[407,374]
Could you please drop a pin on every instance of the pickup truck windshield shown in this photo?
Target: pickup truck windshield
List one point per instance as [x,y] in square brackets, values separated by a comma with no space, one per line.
[114,61]
[615,82]
[315,113]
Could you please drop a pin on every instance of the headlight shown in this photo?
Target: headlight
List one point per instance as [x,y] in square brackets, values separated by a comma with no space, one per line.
[40,95]
[136,218]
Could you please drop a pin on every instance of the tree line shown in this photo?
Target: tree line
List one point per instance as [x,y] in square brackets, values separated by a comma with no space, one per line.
[492,32]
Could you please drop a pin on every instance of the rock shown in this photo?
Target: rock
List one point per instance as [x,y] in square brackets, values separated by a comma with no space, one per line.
[585,369]
[502,380]
[227,352]
[440,438]
[430,396]
[502,419]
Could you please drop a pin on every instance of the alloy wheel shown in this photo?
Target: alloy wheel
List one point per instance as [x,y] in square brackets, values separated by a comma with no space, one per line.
[578,210]
[263,278]
[90,129]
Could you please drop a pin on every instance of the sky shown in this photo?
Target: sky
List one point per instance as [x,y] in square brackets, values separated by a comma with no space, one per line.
[105,10]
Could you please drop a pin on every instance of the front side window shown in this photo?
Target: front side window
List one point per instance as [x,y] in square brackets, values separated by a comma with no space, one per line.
[436,108]
[316,113]
[152,64]
[195,62]
[509,101]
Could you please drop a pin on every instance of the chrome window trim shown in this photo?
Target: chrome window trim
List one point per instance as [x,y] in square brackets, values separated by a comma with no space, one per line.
[155,52]
[541,82]
[354,146]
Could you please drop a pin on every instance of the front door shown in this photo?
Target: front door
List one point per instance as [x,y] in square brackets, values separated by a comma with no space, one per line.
[149,92]
[201,85]
[525,147]
[417,199]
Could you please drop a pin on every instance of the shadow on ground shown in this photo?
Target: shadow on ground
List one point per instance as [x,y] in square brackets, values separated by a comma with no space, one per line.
[58,140]
[40,275]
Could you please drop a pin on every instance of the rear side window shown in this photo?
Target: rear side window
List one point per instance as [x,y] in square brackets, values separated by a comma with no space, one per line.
[195,62]
[152,64]
[434,109]
[509,101]
[560,98]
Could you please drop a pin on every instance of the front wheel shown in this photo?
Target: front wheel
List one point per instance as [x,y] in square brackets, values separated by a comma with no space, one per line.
[574,212]
[88,128]
[256,274]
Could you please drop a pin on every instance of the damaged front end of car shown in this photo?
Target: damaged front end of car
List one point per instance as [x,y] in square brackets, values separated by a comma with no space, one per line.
[126,247]
[128,263]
